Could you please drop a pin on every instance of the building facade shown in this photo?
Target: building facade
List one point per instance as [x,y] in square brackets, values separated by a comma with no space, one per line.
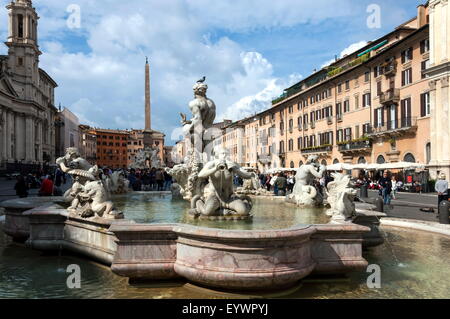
[88,144]
[372,106]
[27,111]
[67,132]
[112,148]
[439,72]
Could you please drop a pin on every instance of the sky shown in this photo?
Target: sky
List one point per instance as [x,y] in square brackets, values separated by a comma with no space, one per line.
[249,51]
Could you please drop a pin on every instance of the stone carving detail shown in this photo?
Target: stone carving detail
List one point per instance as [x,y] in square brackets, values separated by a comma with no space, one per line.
[117,183]
[89,197]
[218,197]
[304,193]
[147,158]
[341,196]
[203,112]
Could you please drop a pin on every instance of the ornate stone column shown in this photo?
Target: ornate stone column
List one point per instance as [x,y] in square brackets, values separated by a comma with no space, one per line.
[29,141]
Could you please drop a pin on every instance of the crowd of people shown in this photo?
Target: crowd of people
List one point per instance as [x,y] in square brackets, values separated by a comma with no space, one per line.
[48,183]
[149,180]
[281,184]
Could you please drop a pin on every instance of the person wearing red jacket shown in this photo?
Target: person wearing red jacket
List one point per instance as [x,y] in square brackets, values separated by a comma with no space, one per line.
[47,187]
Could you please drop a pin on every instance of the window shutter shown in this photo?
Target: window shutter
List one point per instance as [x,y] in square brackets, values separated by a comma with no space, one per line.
[402,114]
[422,105]
[403,57]
[382,117]
[410,75]
[410,53]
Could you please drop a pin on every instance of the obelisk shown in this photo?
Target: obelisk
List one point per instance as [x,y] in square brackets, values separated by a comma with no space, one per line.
[148,140]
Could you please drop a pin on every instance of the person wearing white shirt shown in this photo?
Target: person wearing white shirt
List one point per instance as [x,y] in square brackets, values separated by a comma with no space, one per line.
[441,188]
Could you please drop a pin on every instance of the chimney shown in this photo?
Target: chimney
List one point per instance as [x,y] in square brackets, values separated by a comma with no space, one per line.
[421,16]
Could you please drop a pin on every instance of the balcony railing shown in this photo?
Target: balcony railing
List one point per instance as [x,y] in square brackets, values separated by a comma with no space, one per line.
[330,120]
[312,125]
[390,96]
[339,117]
[402,124]
[390,68]
[317,149]
[355,146]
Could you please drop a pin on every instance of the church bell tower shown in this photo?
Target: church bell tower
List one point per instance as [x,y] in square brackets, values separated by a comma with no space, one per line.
[23,46]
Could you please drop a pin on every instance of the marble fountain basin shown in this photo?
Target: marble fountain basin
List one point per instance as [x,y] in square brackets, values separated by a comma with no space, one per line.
[259,259]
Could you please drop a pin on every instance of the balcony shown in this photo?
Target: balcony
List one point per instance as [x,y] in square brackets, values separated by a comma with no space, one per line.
[391,96]
[312,125]
[299,127]
[339,117]
[355,147]
[324,149]
[330,120]
[394,128]
[390,68]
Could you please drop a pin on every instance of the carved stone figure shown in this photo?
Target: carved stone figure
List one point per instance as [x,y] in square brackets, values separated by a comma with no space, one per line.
[304,193]
[147,158]
[218,198]
[118,183]
[203,111]
[88,195]
[341,198]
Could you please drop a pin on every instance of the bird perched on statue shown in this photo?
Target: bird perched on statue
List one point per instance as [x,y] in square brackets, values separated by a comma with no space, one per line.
[202,80]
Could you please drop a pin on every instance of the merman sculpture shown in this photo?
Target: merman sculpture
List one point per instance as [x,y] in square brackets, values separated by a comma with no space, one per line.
[89,197]
[219,198]
[304,193]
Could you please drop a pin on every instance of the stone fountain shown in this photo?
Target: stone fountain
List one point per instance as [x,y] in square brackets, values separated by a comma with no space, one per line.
[218,258]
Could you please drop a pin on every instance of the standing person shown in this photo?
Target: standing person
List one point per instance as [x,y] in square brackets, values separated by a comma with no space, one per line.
[441,188]
[21,187]
[280,185]
[386,188]
[273,182]
[47,187]
[167,181]
[394,187]
[268,179]
[159,177]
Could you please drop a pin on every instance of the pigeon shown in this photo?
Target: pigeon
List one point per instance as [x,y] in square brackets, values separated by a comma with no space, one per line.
[202,80]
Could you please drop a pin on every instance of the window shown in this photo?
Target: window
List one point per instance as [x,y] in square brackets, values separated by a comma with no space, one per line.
[425,65]
[366,129]
[291,145]
[299,122]
[367,76]
[346,106]
[409,158]
[407,77]
[407,55]
[348,134]
[428,153]
[424,46]
[20,25]
[379,117]
[381,160]
[299,143]
[356,102]
[406,119]
[339,88]
[366,100]
[339,136]
[347,85]
[338,109]
[291,109]
[425,104]
[379,88]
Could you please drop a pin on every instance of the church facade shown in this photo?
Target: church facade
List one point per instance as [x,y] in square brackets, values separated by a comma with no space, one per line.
[27,111]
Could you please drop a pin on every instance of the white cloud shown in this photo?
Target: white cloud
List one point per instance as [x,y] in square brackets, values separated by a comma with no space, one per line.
[347,51]
[100,67]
